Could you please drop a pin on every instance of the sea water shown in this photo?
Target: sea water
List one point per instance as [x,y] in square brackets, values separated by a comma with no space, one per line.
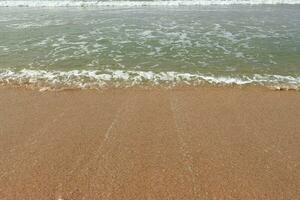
[84,44]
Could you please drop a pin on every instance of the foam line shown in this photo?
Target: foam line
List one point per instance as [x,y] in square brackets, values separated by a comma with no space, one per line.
[95,3]
[97,79]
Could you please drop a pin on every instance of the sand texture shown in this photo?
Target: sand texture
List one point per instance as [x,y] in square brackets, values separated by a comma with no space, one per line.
[185,143]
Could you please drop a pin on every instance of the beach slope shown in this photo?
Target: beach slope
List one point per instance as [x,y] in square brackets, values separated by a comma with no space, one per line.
[184,143]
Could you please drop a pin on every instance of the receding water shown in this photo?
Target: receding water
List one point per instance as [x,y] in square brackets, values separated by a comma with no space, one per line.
[95,46]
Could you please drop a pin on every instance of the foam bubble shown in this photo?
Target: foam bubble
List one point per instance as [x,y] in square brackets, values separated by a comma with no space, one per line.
[91,3]
[121,78]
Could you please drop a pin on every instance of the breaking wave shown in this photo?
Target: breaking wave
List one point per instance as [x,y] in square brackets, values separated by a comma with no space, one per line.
[85,79]
[92,3]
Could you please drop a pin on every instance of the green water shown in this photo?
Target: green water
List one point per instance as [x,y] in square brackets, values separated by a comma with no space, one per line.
[217,44]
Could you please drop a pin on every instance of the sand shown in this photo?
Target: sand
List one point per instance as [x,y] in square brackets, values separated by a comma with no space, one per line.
[184,143]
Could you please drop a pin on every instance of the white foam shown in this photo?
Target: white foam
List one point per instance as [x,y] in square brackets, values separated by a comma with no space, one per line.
[91,3]
[98,79]
[33,25]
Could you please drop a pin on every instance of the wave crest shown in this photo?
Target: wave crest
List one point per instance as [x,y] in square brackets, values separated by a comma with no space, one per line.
[94,3]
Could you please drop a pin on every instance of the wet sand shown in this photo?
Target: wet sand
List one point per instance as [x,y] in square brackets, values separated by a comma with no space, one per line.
[188,143]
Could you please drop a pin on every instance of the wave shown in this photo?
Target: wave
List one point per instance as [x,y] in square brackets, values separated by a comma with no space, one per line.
[85,79]
[92,3]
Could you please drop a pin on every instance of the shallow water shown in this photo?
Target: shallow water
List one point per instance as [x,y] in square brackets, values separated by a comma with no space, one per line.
[96,46]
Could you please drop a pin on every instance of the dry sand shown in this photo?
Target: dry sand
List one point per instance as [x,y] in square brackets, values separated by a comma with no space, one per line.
[189,143]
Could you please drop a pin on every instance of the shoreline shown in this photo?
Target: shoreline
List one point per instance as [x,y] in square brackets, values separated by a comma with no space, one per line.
[147,87]
[183,143]
[95,79]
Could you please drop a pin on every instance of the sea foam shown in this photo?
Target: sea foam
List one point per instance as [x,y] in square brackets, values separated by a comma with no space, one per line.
[91,3]
[85,79]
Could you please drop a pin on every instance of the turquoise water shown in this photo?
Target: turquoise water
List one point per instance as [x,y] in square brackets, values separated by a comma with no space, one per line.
[98,46]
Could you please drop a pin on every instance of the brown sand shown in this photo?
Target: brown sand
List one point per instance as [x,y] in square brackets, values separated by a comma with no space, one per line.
[192,143]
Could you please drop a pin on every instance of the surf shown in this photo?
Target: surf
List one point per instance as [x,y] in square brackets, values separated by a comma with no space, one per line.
[80,3]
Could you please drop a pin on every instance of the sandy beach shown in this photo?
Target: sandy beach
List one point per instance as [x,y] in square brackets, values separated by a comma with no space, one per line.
[184,143]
